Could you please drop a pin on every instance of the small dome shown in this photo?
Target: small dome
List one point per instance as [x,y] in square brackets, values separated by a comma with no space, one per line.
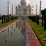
[29,5]
[19,5]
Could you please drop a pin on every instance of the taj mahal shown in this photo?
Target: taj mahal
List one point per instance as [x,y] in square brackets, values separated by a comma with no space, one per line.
[24,8]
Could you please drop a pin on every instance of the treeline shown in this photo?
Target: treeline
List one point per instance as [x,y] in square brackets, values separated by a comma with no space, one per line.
[35,19]
[43,18]
[7,18]
[43,12]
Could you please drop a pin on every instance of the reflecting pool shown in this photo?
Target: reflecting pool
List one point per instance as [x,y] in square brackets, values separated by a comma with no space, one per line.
[12,36]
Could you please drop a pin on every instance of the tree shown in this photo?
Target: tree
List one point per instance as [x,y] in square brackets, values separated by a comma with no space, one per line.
[37,20]
[43,12]
[2,20]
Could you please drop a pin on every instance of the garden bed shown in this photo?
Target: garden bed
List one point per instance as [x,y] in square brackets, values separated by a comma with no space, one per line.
[39,31]
[1,25]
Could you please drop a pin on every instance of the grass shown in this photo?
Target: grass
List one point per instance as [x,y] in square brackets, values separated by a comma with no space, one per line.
[39,31]
[1,25]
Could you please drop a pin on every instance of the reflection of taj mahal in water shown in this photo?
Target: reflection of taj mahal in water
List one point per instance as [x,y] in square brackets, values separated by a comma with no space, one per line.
[24,8]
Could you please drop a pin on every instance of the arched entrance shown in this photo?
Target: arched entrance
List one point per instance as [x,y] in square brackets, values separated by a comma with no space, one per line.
[24,11]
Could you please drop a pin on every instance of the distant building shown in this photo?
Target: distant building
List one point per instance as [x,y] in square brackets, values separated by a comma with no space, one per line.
[24,8]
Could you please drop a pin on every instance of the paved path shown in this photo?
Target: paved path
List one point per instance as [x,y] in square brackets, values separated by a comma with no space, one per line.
[31,39]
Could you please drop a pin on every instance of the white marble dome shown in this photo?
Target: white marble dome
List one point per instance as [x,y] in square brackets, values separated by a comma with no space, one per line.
[24,2]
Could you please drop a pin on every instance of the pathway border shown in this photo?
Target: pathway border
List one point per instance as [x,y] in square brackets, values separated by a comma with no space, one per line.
[31,38]
[6,26]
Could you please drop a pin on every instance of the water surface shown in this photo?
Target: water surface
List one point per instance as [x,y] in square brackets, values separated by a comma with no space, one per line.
[14,36]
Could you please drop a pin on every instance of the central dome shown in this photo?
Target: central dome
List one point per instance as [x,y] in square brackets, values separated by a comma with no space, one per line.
[24,2]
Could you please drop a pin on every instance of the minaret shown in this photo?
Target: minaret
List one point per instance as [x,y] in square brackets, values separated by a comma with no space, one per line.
[40,7]
[36,9]
[16,10]
[12,10]
[8,8]
[32,10]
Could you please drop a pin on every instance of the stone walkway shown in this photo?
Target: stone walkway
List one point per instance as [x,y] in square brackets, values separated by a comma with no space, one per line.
[31,39]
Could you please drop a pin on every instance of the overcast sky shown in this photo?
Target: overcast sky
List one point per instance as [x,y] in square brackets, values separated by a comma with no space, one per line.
[3,5]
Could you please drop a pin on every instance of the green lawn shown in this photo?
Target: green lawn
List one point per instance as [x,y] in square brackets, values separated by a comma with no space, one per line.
[39,31]
[1,25]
